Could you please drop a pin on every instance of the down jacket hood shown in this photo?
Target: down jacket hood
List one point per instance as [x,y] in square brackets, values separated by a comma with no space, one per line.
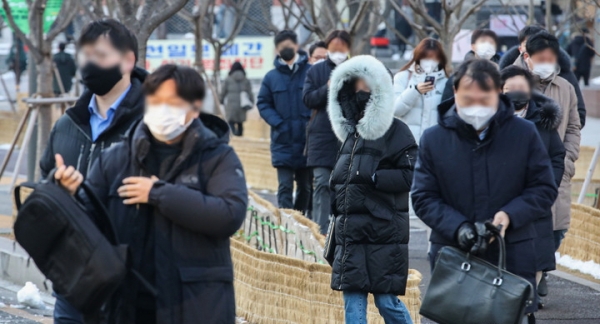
[546,114]
[379,111]
[510,56]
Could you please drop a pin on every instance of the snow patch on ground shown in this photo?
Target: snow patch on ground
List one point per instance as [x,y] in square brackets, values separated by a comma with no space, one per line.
[30,296]
[588,267]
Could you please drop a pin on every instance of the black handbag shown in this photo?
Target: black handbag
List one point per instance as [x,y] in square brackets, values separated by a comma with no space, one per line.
[329,248]
[468,290]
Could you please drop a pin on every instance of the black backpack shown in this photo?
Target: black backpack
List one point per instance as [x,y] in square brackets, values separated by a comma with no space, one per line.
[78,252]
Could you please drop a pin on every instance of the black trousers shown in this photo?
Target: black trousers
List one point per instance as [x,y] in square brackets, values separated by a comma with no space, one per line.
[585,74]
[286,177]
[237,129]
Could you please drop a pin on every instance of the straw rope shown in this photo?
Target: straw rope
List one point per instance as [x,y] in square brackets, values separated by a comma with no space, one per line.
[582,241]
[283,279]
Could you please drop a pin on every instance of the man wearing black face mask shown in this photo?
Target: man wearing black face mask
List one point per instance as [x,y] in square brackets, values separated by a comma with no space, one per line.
[280,105]
[112,103]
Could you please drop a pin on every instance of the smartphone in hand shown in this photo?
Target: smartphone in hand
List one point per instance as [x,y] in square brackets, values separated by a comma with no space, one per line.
[430,79]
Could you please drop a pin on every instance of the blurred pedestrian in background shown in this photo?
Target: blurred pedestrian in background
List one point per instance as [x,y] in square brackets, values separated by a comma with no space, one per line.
[280,105]
[17,60]
[518,86]
[541,58]
[484,45]
[102,115]
[237,96]
[371,179]
[65,65]
[175,193]
[463,175]
[419,85]
[515,56]
[321,144]
[582,51]
[317,52]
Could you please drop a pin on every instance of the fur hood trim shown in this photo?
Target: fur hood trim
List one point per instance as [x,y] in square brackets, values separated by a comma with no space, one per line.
[548,111]
[379,111]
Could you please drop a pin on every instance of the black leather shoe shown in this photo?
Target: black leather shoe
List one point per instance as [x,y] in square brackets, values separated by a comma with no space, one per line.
[543,287]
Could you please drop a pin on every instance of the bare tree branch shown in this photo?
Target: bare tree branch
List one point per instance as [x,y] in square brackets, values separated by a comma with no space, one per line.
[68,11]
[466,16]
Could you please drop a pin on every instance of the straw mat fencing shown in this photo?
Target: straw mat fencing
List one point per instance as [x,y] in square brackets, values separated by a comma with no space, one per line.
[255,155]
[280,276]
[582,242]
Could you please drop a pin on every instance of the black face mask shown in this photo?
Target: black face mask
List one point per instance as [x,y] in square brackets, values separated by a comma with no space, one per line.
[362,97]
[520,99]
[287,54]
[100,80]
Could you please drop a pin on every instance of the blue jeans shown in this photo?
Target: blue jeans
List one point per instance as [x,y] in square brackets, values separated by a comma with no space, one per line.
[390,307]
[64,313]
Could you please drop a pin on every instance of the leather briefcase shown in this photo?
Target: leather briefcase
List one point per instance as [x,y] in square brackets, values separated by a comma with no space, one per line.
[468,290]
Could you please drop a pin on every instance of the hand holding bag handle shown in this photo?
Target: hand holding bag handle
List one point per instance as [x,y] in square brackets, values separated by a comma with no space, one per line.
[490,294]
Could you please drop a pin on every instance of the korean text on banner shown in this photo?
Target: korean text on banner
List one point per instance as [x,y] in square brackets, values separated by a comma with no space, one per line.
[20,13]
[255,53]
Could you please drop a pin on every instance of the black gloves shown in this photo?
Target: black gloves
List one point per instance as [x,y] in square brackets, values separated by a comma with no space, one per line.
[466,236]
[474,238]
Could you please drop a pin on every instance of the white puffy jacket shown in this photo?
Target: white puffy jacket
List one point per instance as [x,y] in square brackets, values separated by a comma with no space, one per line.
[418,111]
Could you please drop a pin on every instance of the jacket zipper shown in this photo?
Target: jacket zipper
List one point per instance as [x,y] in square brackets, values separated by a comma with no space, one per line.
[345,256]
[80,156]
[89,164]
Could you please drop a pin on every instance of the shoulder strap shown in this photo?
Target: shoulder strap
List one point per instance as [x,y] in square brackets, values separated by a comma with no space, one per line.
[17,192]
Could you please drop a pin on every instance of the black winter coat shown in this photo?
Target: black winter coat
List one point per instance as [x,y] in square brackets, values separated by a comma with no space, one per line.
[449,89]
[371,180]
[321,143]
[194,210]
[564,62]
[71,136]
[460,178]
[546,115]
[581,52]
[280,105]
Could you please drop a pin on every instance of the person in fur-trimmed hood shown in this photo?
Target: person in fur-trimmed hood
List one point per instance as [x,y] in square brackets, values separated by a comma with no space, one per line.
[371,179]
[518,85]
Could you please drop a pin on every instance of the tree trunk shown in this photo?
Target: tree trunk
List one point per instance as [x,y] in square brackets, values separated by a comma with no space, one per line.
[447,41]
[217,68]
[198,63]
[44,84]
[142,43]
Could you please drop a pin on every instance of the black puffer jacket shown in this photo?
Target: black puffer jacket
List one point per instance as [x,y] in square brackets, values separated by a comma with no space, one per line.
[194,210]
[71,136]
[321,143]
[564,62]
[371,179]
[547,115]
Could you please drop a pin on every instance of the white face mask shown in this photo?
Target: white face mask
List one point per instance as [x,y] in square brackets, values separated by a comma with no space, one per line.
[485,50]
[543,70]
[337,57]
[166,122]
[429,66]
[476,116]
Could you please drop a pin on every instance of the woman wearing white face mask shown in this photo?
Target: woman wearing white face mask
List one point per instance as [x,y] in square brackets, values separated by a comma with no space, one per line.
[419,85]
[175,192]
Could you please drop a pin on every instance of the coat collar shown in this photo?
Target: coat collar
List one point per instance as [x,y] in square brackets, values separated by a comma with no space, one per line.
[448,118]
[301,60]
[379,112]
